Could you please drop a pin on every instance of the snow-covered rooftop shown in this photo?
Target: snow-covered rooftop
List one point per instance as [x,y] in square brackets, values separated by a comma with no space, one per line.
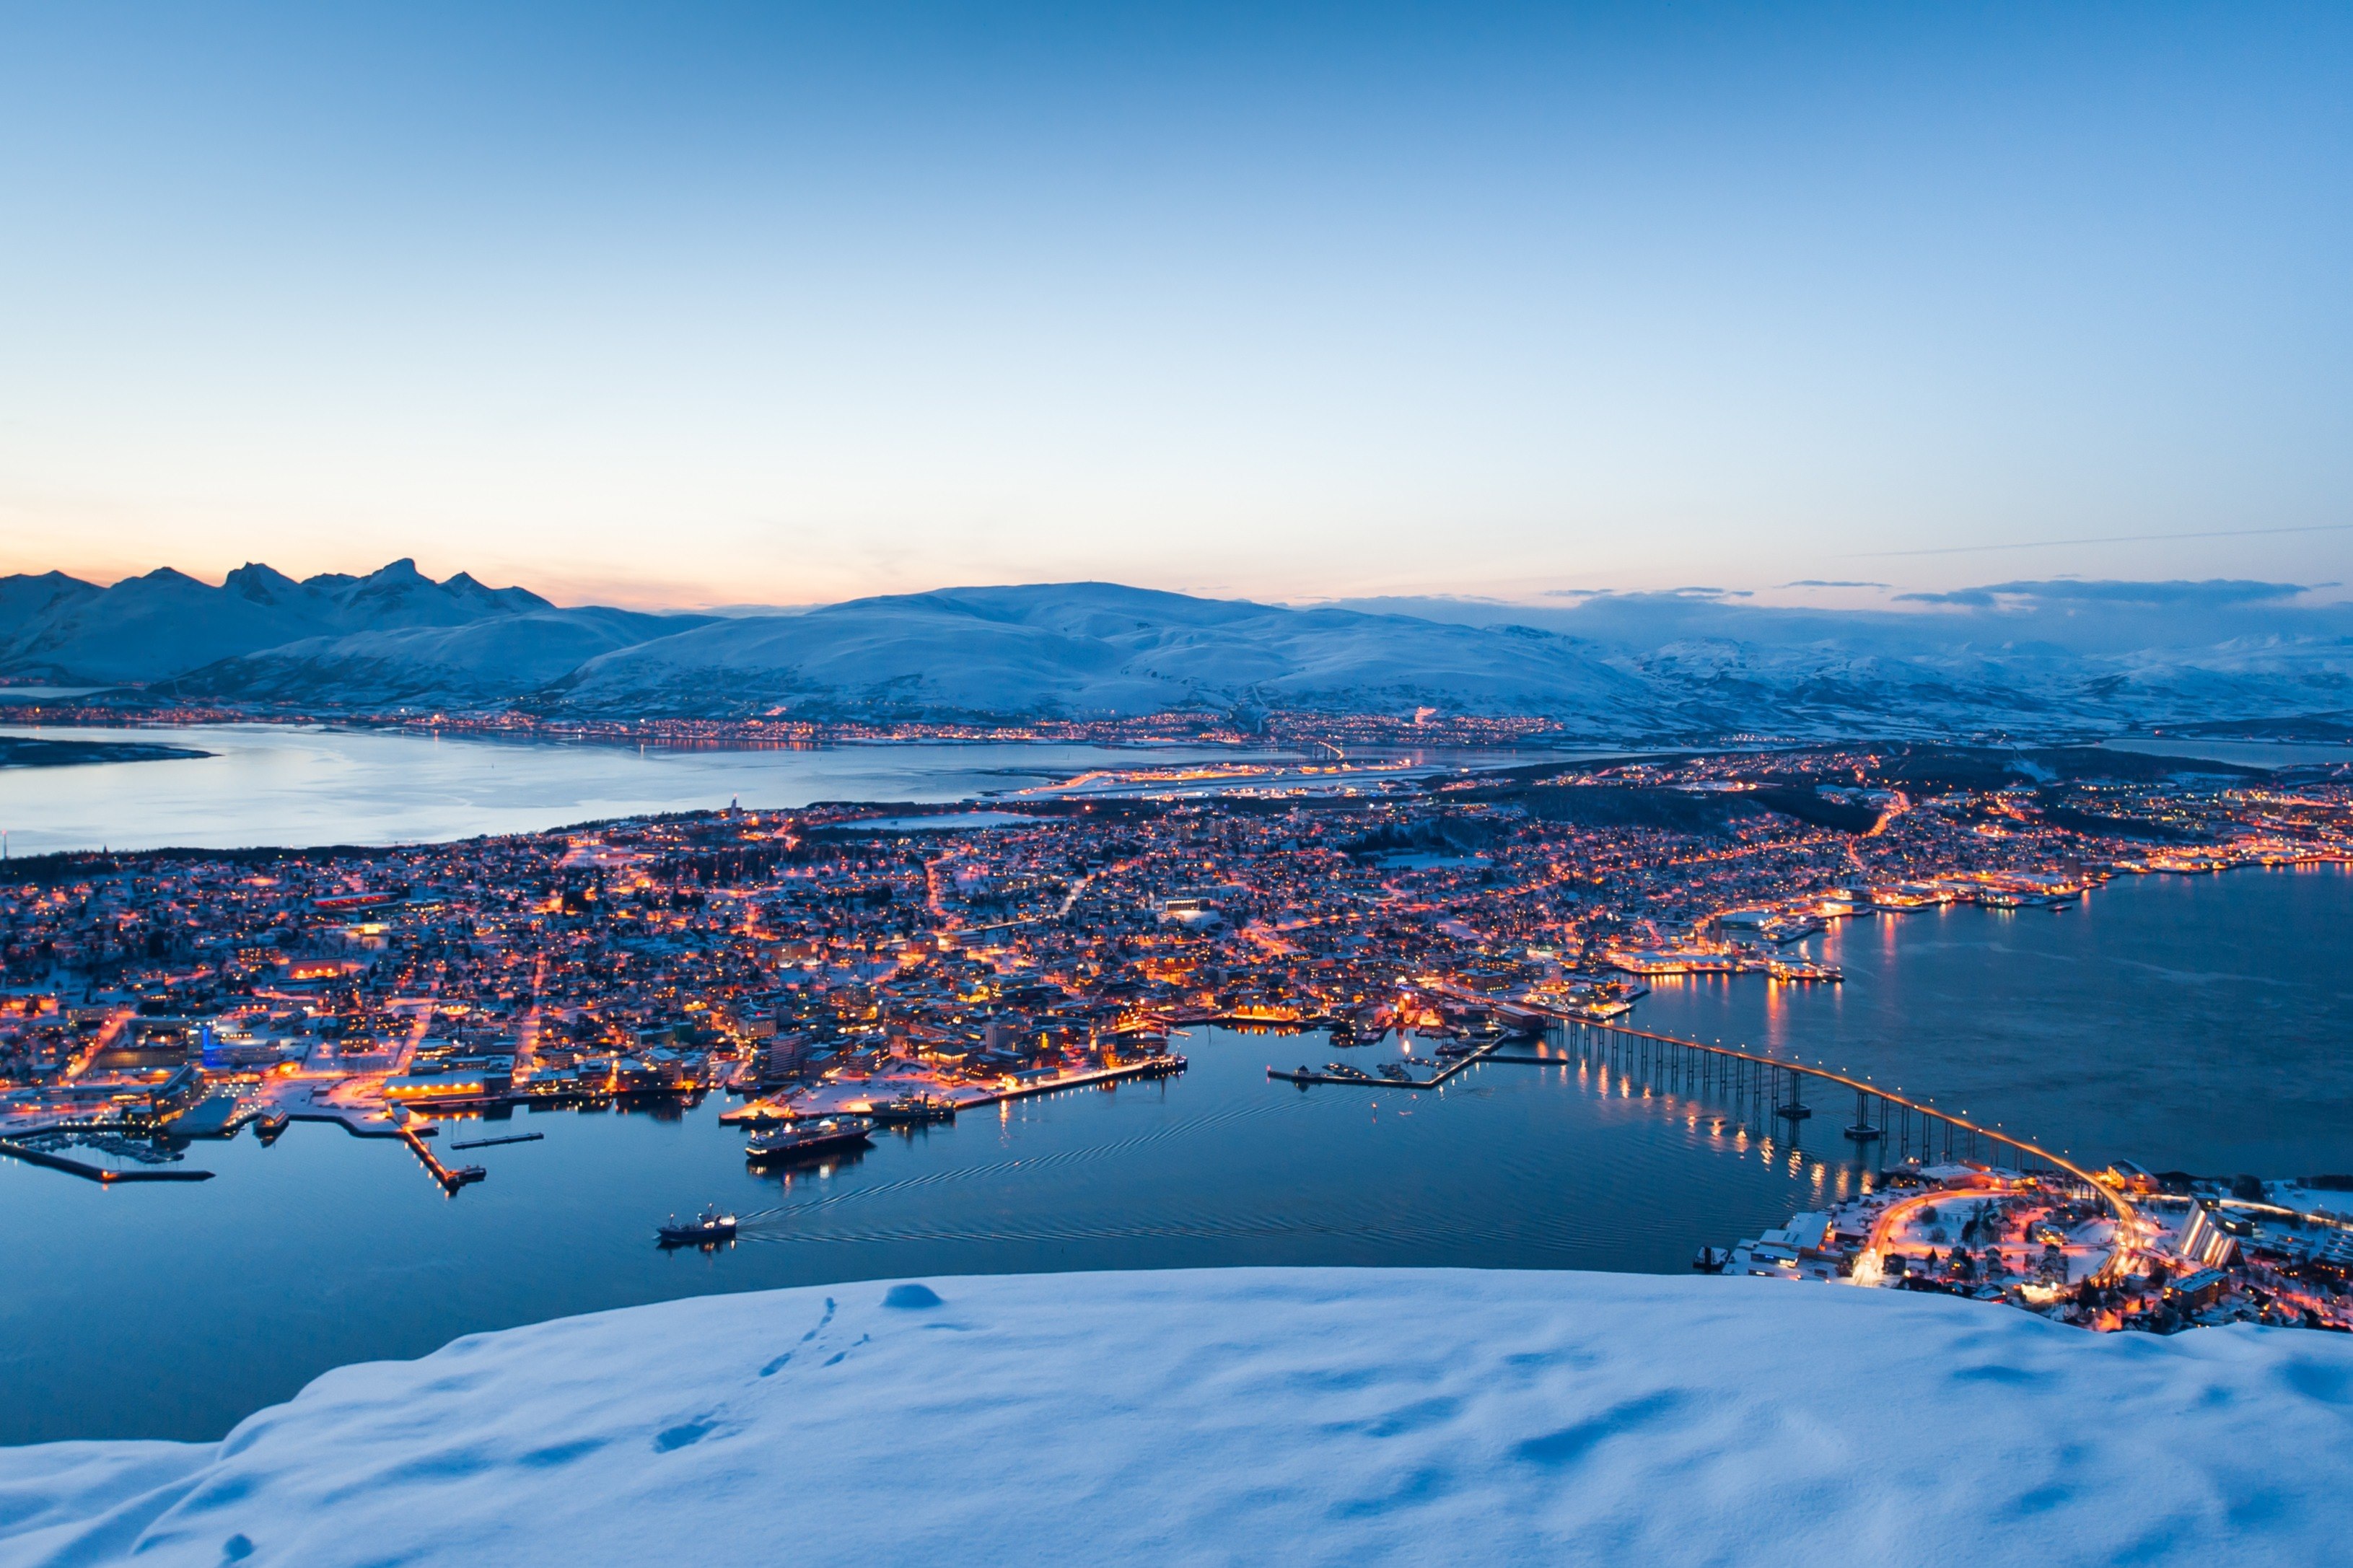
[1298,1415]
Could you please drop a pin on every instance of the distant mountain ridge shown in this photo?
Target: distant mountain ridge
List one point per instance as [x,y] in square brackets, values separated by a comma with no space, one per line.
[165,625]
[1664,667]
[1098,648]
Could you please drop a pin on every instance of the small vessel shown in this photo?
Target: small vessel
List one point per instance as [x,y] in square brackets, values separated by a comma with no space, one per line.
[1395,1072]
[1711,1259]
[807,1139]
[1342,1069]
[708,1228]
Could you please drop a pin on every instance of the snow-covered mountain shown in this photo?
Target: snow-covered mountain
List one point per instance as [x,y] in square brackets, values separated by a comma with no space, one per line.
[483,662]
[167,625]
[1096,648]
[1621,668]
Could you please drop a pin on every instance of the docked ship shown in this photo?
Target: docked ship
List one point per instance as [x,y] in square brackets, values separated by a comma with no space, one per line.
[912,1109]
[810,1138]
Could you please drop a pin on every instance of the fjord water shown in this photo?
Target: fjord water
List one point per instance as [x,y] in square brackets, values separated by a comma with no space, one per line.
[174,1310]
[310,785]
[2198,1022]
[2201,1023]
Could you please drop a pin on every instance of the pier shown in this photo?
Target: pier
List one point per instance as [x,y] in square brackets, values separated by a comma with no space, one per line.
[450,1179]
[105,1175]
[1371,1081]
[851,1099]
[1151,1067]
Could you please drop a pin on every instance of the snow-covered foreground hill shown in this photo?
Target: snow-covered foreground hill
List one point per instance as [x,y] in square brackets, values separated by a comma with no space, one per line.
[1255,1415]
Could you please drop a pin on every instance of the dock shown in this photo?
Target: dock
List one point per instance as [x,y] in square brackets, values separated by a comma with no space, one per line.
[494,1143]
[450,1180]
[1371,1081]
[1151,1067]
[103,1174]
[350,1122]
[848,1099]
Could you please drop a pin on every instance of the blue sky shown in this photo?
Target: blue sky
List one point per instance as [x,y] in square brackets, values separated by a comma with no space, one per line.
[712,304]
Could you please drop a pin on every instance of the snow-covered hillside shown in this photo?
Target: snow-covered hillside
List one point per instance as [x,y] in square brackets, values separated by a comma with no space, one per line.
[1254,1415]
[1098,648]
[480,663]
[1666,668]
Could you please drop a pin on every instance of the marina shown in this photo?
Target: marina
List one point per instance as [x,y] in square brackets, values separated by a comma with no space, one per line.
[104,1174]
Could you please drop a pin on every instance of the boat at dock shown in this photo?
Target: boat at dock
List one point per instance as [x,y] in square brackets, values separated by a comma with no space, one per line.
[913,1109]
[810,1138]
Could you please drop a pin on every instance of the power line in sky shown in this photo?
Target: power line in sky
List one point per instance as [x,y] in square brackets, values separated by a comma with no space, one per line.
[2112,539]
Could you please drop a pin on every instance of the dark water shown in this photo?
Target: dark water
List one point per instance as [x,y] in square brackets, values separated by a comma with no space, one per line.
[2189,1023]
[173,1311]
[2194,1022]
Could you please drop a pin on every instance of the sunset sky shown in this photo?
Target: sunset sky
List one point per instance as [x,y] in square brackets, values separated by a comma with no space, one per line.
[712,304]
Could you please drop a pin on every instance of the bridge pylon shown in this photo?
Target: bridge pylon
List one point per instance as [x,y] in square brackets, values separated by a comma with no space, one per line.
[1863,1132]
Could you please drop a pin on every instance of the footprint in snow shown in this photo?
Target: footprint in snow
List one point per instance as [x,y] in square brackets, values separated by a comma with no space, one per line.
[779,1364]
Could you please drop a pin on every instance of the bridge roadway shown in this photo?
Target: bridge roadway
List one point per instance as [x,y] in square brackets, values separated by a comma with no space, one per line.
[2130,1228]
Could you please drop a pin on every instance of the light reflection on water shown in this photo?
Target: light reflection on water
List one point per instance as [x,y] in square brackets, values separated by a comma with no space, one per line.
[305,784]
[174,1310]
[2194,1023]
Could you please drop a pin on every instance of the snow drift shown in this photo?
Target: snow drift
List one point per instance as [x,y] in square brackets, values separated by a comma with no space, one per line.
[1292,1415]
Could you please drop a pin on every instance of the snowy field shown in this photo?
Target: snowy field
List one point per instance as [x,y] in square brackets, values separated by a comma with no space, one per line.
[1255,1415]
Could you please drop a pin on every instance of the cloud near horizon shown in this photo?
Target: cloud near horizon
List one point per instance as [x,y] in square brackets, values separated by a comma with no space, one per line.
[1704,594]
[2212,593]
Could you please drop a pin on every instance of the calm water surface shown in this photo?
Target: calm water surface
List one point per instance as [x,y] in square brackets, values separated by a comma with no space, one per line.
[2189,1023]
[2205,1023]
[288,785]
[174,1310]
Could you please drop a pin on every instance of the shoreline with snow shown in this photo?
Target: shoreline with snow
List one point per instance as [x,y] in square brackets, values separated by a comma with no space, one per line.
[1307,1414]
